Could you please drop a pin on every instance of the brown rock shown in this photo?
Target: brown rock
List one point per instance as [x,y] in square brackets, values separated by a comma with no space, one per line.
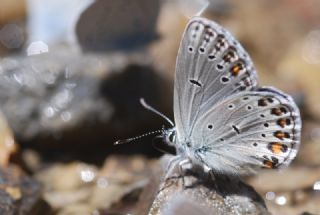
[12,14]
[119,176]
[164,51]
[69,188]
[20,194]
[7,142]
[311,206]
[78,209]
[289,179]
[310,148]
[299,69]
[66,184]
[12,10]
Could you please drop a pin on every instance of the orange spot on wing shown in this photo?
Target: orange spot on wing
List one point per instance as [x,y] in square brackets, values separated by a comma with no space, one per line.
[276,111]
[262,102]
[235,70]
[279,134]
[228,57]
[276,148]
[282,122]
[268,164]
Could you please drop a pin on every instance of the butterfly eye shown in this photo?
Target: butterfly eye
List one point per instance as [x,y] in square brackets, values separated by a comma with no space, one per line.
[171,137]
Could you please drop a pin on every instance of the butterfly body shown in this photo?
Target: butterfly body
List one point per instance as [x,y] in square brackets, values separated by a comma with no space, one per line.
[224,121]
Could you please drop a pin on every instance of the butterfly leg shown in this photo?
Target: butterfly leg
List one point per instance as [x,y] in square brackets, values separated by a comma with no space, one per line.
[209,175]
[184,166]
[171,168]
[170,171]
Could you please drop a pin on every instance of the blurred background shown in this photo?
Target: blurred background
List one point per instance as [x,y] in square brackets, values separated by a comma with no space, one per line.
[72,73]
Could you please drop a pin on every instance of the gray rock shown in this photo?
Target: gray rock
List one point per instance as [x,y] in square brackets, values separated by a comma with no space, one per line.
[118,25]
[49,92]
[193,193]
[65,99]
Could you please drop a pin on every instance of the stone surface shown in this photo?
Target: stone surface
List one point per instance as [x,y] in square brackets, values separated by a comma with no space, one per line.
[62,98]
[116,186]
[309,207]
[12,26]
[7,142]
[77,209]
[118,25]
[12,10]
[170,27]
[301,67]
[118,176]
[291,191]
[310,150]
[286,180]
[72,188]
[20,194]
[223,195]
[65,103]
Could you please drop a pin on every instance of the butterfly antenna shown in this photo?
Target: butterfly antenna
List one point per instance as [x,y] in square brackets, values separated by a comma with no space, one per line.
[148,107]
[137,137]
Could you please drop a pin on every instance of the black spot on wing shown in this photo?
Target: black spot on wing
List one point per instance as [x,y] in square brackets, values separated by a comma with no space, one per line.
[195,82]
[236,129]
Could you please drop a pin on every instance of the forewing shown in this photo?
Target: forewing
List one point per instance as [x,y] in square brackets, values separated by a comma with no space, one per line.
[211,65]
[248,130]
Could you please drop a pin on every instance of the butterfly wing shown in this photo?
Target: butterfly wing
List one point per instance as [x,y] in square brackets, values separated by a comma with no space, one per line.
[211,65]
[247,130]
[231,125]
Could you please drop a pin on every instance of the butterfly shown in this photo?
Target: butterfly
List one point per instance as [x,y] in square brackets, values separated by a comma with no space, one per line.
[225,122]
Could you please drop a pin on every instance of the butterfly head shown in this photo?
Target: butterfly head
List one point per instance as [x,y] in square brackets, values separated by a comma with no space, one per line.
[169,136]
